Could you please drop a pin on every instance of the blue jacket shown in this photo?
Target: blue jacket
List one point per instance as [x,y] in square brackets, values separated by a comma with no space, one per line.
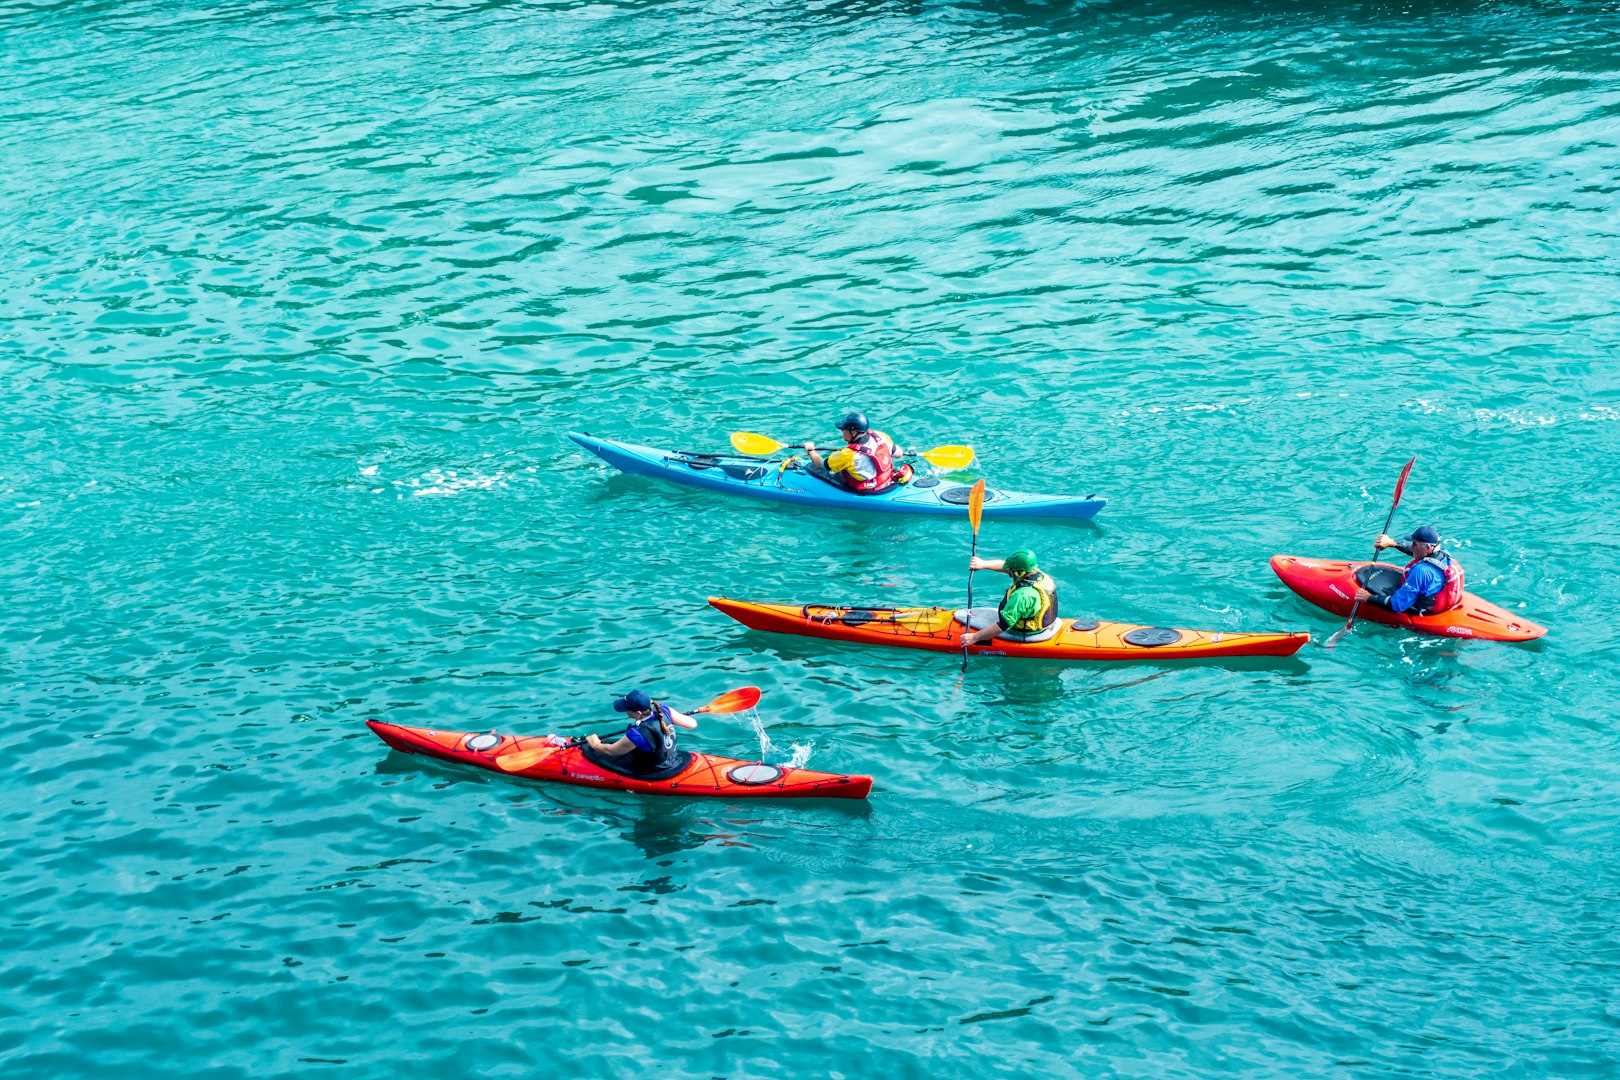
[1422,580]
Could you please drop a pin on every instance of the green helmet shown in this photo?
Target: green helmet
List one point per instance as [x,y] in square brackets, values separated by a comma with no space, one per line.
[1020,562]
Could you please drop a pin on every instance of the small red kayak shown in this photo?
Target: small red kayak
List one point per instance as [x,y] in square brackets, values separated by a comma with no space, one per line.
[1331,584]
[704,776]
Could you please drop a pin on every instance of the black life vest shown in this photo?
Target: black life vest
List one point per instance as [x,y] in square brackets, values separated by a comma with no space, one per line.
[653,742]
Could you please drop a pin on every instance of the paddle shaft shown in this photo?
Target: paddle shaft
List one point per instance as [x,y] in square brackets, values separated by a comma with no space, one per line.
[1377,551]
[1400,486]
[975,518]
[971,557]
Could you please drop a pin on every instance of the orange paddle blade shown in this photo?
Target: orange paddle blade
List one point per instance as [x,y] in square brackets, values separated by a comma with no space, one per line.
[976,506]
[744,697]
[519,760]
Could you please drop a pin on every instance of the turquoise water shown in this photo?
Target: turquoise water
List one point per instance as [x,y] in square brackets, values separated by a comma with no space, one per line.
[297,302]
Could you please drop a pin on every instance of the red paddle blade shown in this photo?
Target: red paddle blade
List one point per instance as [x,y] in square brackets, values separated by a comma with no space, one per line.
[745,697]
[1400,485]
[976,506]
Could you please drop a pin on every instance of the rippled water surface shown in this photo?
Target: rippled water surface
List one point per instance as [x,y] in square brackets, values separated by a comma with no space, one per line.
[297,302]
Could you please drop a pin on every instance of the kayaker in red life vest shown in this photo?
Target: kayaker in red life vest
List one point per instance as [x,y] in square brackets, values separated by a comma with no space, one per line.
[866,465]
[1028,609]
[648,744]
[1433,581]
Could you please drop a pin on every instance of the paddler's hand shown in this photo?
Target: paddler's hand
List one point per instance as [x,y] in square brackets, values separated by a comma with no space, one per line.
[1383,542]
[977,563]
[593,742]
[807,447]
[1362,595]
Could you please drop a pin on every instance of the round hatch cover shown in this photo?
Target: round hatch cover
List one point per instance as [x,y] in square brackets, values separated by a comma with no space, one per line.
[1087,623]
[754,774]
[856,617]
[1150,637]
[923,483]
[479,743]
[959,496]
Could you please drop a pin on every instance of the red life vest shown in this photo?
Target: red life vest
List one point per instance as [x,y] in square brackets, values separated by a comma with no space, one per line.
[1450,594]
[880,449]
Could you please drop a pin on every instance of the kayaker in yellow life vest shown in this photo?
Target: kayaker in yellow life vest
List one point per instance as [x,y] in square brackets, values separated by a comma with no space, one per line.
[1029,605]
[865,465]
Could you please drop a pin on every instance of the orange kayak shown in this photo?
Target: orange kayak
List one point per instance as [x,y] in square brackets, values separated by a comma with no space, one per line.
[1331,584]
[704,776]
[936,629]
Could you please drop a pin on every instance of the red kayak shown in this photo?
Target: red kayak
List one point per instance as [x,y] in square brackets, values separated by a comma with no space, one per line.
[1331,584]
[704,775]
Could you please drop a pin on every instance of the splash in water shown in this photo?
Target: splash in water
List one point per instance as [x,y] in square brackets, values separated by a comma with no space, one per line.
[798,753]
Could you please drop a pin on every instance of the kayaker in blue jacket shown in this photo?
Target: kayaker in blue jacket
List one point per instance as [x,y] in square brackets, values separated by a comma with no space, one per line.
[648,743]
[1432,583]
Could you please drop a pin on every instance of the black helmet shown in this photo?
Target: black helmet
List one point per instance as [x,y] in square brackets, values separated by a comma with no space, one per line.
[855,420]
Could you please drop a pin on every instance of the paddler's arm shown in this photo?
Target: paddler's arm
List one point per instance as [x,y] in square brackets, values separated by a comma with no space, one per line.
[979,637]
[680,719]
[1387,541]
[613,749]
[815,455]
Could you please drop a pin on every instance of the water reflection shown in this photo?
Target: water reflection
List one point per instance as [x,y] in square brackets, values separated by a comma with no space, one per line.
[661,826]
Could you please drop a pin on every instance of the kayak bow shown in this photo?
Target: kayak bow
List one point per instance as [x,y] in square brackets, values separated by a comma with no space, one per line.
[937,630]
[705,775]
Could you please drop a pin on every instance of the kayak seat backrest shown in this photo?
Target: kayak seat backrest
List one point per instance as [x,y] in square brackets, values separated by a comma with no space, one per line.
[976,619]
[1044,634]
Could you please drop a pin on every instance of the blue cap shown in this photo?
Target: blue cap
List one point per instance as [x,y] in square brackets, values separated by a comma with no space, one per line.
[635,700]
[1424,535]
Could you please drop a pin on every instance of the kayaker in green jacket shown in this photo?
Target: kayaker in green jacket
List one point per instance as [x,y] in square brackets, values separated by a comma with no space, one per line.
[1029,606]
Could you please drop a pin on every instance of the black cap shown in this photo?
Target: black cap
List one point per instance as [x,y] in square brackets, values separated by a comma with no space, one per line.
[1426,534]
[855,420]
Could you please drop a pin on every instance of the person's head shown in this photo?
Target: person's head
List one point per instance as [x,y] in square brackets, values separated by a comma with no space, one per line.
[853,426]
[636,705]
[1424,541]
[1020,562]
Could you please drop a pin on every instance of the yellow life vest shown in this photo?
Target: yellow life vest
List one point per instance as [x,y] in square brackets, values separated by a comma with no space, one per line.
[1042,583]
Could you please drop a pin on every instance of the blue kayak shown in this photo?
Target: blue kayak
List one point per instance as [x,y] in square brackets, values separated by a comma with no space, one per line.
[765,479]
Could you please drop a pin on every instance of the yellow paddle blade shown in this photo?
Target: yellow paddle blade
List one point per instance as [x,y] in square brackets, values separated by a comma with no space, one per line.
[949,457]
[976,506]
[753,444]
[925,620]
